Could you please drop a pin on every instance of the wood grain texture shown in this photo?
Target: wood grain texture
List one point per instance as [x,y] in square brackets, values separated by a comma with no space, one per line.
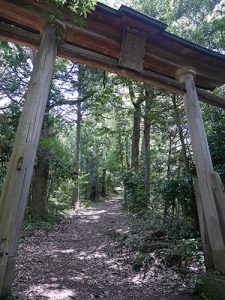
[103,33]
[219,194]
[16,186]
[133,49]
[81,55]
[203,230]
[204,170]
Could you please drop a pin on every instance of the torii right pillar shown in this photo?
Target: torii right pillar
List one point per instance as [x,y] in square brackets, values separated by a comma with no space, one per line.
[209,189]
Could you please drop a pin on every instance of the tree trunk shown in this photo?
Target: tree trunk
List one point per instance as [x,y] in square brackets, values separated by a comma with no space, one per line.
[94,178]
[169,158]
[166,204]
[136,128]
[104,183]
[181,135]
[76,191]
[121,152]
[147,165]
[39,191]
[136,136]
[128,158]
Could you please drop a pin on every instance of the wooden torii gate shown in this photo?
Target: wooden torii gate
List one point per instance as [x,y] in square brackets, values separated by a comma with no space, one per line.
[130,44]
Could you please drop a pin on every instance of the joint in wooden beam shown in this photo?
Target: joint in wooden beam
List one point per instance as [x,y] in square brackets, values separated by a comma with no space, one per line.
[59,26]
[133,49]
[181,73]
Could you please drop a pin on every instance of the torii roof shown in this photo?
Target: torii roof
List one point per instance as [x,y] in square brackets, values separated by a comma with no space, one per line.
[100,42]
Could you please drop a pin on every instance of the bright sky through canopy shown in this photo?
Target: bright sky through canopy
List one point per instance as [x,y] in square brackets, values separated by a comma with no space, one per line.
[115,3]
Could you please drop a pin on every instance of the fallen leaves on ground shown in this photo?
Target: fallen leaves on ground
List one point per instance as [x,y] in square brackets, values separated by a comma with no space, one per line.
[88,256]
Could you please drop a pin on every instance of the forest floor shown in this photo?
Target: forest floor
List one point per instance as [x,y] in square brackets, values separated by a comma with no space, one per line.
[82,258]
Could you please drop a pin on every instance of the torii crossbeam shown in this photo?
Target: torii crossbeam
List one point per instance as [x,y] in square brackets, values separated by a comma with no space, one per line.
[127,43]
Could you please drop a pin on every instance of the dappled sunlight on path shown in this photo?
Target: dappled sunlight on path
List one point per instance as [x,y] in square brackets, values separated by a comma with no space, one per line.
[78,259]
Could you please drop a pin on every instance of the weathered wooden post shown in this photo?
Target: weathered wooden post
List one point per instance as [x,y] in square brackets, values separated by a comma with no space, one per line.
[16,186]
[204,168]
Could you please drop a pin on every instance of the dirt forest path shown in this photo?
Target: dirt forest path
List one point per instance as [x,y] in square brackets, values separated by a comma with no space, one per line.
[78,260]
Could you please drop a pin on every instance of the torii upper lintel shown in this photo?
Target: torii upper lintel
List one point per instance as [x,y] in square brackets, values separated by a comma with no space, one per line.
[101,41]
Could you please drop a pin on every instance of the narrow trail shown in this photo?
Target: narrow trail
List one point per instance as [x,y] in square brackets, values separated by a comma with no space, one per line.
[78,260]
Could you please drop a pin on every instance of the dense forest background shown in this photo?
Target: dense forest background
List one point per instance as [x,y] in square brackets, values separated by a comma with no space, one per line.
[102,132]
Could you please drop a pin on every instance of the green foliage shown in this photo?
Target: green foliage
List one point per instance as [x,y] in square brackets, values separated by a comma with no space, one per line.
[59,202]
[186,250]
[8,123]
[216,137]
[135,199]
[177,194]
[149,246]
[61,162]
[155,8]
[177,189]
[78,7]
[200,285]
[16,68]
[138,261]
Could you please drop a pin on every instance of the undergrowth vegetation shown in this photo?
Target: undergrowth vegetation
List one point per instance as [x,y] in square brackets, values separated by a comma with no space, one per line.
[59,203]
[149,249]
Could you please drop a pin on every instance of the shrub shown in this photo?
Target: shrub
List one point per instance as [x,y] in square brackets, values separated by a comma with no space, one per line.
[134,198]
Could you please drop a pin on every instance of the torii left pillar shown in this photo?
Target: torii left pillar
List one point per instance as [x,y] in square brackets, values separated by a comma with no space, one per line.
[17,183]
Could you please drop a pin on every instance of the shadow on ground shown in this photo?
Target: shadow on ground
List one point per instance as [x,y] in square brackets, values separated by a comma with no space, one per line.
[78,260]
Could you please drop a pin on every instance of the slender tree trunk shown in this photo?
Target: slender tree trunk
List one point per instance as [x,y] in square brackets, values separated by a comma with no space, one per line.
[39,191]
[136,136]
[121,152]
[147,166]
[94,178]
[136,128]
[128,158]
[181,135]
[169,158]
[104,183]
[104,188]
[142,142]
[104,174]
[186,163]
[76,191]
[166,204]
